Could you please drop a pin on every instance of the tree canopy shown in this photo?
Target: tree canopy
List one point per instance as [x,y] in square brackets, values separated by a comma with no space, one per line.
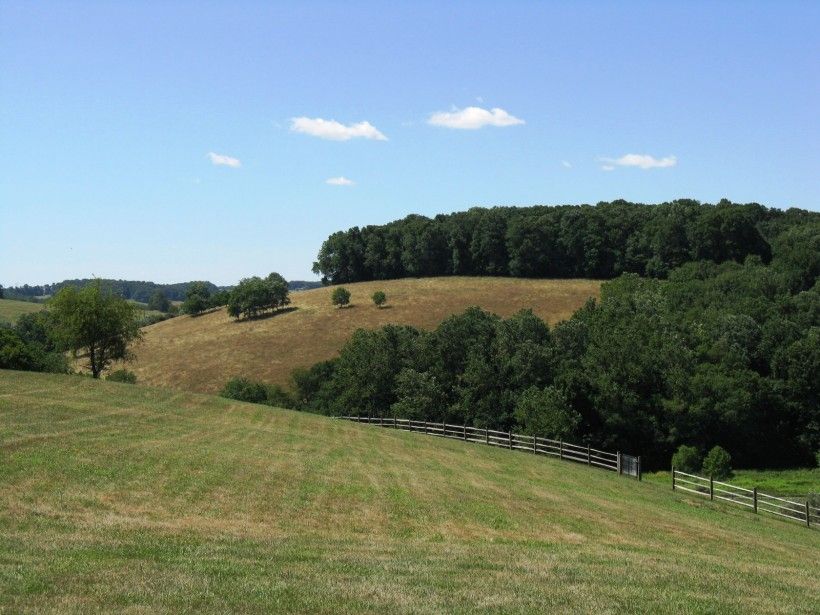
[95,322]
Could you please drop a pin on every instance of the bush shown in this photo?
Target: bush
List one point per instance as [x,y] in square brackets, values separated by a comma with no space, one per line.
[340,296]
[379,298]
[122,375]
[243,389]
[687,459]
[718,464]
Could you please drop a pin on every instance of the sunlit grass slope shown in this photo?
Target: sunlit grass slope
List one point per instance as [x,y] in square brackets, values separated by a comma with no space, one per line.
[10,309]
[117,498]
[203,352]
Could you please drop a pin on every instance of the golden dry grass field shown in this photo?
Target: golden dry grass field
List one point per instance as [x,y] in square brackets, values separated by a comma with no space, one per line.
[123,498]
[201,353]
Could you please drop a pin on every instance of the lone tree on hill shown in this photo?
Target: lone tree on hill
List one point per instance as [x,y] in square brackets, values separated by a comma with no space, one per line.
[95,322]
[340,296]
[379,298]
[197,299]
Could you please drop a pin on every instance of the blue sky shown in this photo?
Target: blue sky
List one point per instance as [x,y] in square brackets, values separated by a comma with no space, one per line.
[171,141]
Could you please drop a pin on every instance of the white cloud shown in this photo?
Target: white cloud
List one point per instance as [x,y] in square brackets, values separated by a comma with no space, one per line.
[335,131]
[607,167]
[221,160]
[643,161]
[566,164]
[340,181]
[473,118]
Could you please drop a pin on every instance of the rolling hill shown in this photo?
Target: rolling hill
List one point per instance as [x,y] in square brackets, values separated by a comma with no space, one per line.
[10,309]
[201,353]
[126,498]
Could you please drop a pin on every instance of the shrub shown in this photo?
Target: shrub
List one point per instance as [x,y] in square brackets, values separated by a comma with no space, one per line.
[718,463]
[379,298]
[122,375]
[340,296]
[243,389]
[687,459]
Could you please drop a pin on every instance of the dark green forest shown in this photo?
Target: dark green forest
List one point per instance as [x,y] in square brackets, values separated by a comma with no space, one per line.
[708,353]
[568,241]
[127,289]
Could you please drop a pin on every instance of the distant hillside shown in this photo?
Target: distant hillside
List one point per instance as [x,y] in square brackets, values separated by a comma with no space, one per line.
[130,289]
[11,309]
[201,353]
[118,497]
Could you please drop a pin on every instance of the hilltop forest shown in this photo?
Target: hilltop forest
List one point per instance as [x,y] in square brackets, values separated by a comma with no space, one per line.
[570,241]
[709,336]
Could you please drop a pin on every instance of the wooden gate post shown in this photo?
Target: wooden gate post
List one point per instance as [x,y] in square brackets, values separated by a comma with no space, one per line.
[711,487]
[560,449]
[425,426]
[589,456]
[639,468]
[509,433]
[395,426]
[619,462]
[534,447]
[465,433]
[808,514]
[673,478]
[754,497]
[486,435]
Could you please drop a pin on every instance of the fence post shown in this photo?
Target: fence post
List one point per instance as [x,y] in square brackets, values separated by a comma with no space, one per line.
[808,513]
[754,497]
[486,435]
[509,433]
[465,433]
[640,474]
[425,426]
[673,480]
[395,426]
[443,429]
[560,449]
[534,445]
[619,462]
[711,487]
[589,456]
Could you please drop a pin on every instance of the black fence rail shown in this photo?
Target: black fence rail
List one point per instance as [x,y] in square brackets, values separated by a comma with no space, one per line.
[607,460]
[707,487]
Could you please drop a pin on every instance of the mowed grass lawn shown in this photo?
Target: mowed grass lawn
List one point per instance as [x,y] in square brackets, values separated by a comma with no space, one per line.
[10,309]
[201,353]
[117,497]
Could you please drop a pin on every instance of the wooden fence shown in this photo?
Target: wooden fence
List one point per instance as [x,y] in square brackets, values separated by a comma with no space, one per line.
[802,512]
[616,462]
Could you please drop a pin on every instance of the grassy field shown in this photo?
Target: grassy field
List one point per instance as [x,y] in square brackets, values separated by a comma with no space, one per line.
[11,309]
[795,482]
[201,353]
[116,497]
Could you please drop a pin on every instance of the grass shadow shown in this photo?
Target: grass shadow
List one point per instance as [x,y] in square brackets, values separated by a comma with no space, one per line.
[267,315]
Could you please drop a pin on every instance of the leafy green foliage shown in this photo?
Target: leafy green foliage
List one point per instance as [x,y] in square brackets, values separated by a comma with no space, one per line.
[197,299]
[122,375]
[687,459]
[568,241]
[340,296]
[717,463]
[714,354]
[254,296]
[95,322]
[243,389]
[159,302]
[379,298]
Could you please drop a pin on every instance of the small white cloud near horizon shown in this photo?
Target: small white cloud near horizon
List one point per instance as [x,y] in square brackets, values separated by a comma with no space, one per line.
[642,161]
[566,164]
[340,181]
[221,160]
[473,118]
[335,131]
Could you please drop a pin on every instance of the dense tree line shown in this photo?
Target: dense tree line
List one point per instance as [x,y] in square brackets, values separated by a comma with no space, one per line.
[127,289]
[714,354]
[601,241]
